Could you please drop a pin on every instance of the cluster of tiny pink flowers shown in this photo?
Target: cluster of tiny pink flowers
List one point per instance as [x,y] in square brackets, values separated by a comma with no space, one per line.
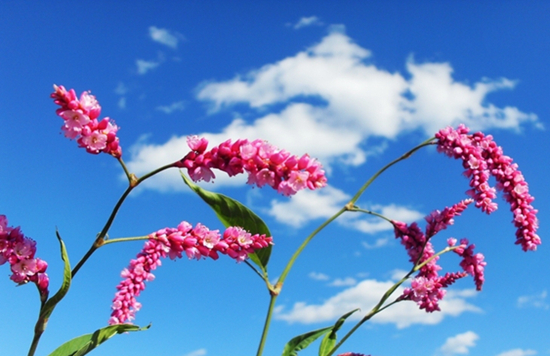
[81,122]
[427,288]
[264,163]
[196,243]
[472,263]
[481,157]
[352,354]
[19,251]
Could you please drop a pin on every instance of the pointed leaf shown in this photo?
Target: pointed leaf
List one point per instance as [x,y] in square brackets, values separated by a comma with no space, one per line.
[300,342]
[330,339]
[81,345]
[50,304]
[232,213]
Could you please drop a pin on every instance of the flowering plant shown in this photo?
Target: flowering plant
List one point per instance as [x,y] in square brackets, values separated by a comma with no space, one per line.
[247,238]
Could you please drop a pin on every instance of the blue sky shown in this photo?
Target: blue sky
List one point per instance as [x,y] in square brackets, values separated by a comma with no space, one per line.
[354,84]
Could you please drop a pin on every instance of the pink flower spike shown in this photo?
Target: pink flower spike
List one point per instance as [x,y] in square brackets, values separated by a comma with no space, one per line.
[19,251]
[81,122]
[264,163]
[482,157]
[196,243]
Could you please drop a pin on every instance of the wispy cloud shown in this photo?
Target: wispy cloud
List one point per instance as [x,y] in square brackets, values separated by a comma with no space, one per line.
[199,352]
[165,37]
[535,301]
[121,89]
[346,282]
[459,344]
[322,204]
[365,295]
[175,106]
[357,101]
[381,242]
[318,276]
[122,103]
[144,66]
[518,352]
[307,21]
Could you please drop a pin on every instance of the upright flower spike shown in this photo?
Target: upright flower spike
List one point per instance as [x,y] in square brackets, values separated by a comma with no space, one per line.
[264,163]
[19,251]
[196,243]
[427,288]
[81,122]
[482,157]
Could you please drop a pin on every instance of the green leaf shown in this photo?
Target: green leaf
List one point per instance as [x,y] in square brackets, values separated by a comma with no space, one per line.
[50,304]
[300,342]
[81,345]
[330,339]
[232,213]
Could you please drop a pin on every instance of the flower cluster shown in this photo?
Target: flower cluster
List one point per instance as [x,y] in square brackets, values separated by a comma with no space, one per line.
[352,354]
[481,157]
[19,251]
[195,243]
[427,288]
[81,122]
[264,163]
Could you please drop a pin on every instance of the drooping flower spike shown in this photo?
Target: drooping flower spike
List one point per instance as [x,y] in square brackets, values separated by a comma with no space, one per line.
[481,157]
[427,288]
[264,163]
[19,251]
[81,122]
[196,243]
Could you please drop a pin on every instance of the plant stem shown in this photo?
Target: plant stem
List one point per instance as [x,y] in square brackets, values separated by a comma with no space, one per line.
[266,324]
[373,178]
[375,310]
[100,239]
[379,307]
[350,206]
[305,243]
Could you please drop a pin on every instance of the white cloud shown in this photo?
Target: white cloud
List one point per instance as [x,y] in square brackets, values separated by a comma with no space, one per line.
[122,103]
[518,352]
[164,36]
[536,301]
[175,106]
[318,276]
[365,295]
[372,100]
[357,100]
[381,242]
[346,282]
[397,274]
[199,352]
[307,21]
[459,344]
[121,89]
[144,66]
[324,203]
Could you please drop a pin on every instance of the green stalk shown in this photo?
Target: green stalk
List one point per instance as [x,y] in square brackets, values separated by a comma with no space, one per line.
[379,307]
[373,178]
[100,239]
[350,206]
[266,324]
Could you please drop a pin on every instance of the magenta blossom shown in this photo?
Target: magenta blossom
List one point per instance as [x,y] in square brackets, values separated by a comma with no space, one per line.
[195,243]
[81,122]
[264,163]
[481,157]
[352,354]
[19,251]
[427,288]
